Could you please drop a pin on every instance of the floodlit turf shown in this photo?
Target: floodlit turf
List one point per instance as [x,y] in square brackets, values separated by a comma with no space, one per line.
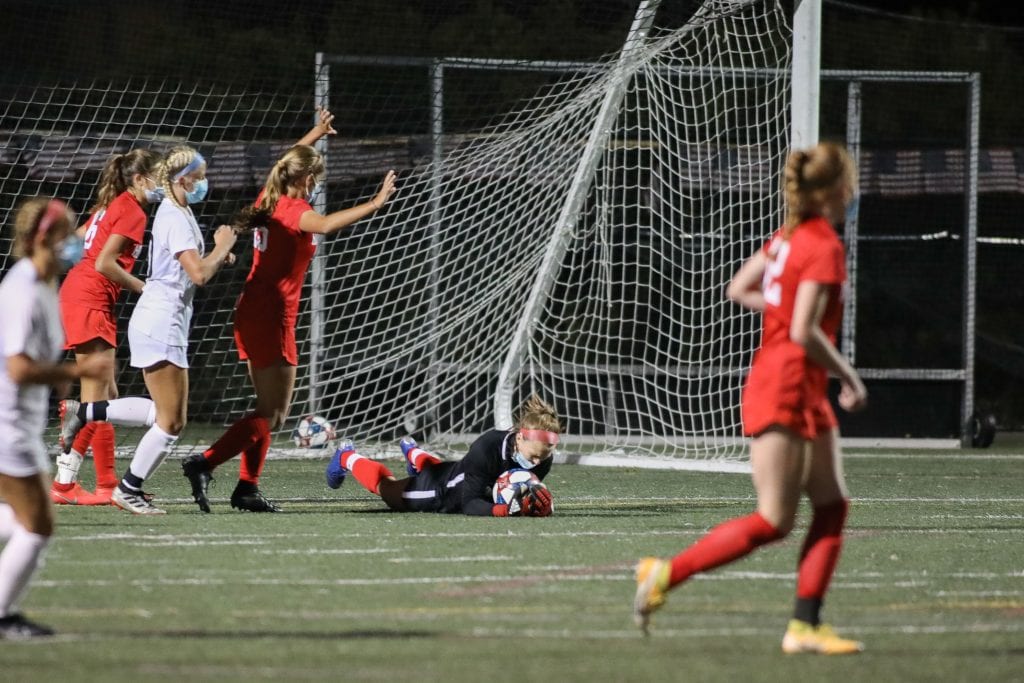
[337,588]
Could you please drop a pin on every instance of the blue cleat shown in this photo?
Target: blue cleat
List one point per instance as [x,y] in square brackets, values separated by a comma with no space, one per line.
[335,473]
[407,444]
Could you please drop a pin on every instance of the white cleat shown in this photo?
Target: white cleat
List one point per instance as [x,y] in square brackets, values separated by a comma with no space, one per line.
[135,503]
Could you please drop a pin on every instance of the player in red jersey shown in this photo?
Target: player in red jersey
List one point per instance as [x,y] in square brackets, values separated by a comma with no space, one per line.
[796,281]
[284,226]
[113,239]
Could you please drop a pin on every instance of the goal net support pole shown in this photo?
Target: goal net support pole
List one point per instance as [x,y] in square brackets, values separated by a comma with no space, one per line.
[582,180]
[806,83]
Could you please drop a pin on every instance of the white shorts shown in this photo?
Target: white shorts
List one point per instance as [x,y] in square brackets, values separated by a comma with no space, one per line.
[147,352]
[16,462]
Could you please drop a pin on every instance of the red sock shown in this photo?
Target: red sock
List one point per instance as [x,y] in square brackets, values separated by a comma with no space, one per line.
[726,542]
[84,437]
[253,458]
[103,441]
[240,436]
[367,472]
[420,458]
[820,553]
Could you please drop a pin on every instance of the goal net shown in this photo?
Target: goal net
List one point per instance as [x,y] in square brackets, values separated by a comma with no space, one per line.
[574,244]
[577,249]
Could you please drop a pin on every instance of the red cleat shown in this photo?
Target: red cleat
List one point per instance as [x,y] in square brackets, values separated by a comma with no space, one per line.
[67,496]
[101,497]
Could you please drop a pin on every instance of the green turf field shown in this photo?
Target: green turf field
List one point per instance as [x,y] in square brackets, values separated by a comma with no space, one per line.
[337,588]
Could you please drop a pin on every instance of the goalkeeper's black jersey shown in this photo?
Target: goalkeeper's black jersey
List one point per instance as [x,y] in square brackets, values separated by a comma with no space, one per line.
[465,486]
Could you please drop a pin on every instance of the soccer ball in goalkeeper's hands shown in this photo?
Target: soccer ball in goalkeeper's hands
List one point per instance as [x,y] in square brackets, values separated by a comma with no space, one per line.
[513,483]
[313,431]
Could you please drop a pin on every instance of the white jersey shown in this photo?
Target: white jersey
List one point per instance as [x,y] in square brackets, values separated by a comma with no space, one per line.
[164,311]
[31,326]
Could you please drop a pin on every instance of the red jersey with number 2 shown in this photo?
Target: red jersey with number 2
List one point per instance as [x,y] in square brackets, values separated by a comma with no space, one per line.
[785,387]
[269,305]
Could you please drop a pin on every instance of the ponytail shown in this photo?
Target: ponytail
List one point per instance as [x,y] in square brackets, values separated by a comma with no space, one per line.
[810,178]
[297,163]
[116,176]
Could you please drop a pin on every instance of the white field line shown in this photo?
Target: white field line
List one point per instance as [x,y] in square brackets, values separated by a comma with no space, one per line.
[215,539]
[576,634]
[642,499]
[550,574]
[571,635]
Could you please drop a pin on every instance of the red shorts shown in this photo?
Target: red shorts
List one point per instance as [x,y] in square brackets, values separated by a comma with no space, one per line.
[83,324]
[265,341]
[781,390]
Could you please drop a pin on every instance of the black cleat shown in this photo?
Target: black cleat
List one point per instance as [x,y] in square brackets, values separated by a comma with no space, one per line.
[247,496]
[198,474]
[17,627]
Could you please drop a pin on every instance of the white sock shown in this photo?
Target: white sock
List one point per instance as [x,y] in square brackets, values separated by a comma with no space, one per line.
[19,560]
[7,522]
[151,451]
[68,465]
[133,411]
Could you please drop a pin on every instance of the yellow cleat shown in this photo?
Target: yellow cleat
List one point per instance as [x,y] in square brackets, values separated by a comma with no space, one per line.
[652,575]
[803,637]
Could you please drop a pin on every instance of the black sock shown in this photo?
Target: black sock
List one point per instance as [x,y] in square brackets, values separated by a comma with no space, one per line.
[809,610]
[130,483]
[99,411]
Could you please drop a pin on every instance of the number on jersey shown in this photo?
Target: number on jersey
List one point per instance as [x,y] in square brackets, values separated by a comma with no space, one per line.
[778,250]
[259,238]
[94,227]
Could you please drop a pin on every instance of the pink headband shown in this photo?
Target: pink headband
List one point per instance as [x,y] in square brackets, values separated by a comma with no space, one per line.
[544,436]
[55,210]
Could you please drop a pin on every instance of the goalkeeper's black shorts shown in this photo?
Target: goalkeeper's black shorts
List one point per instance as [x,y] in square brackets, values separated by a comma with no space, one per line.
[434,490]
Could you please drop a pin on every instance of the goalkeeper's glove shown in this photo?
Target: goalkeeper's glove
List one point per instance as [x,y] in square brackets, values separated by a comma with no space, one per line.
[537,501]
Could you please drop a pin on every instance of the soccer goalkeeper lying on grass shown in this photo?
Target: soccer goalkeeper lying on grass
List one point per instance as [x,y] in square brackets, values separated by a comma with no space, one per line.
[463,486]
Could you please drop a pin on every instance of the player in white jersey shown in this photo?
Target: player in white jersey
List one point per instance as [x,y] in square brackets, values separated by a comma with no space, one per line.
[32,340]
[159,325]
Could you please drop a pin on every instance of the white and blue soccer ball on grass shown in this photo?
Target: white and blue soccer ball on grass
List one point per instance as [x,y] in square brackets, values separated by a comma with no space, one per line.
[512,483]
[313,431]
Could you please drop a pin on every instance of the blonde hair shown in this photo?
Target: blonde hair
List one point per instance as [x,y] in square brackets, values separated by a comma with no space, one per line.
[31,216]
[117,174]
[297,163]
[177,160]
[536,413]
[811,179]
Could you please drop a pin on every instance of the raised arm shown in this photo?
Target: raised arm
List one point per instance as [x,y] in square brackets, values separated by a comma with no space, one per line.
[311,221]
[323,127]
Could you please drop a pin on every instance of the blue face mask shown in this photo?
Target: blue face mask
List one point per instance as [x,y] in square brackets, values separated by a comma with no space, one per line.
[852,210]
[523,461]
[198,192]
[317,189]
[155,196]
[69,251]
